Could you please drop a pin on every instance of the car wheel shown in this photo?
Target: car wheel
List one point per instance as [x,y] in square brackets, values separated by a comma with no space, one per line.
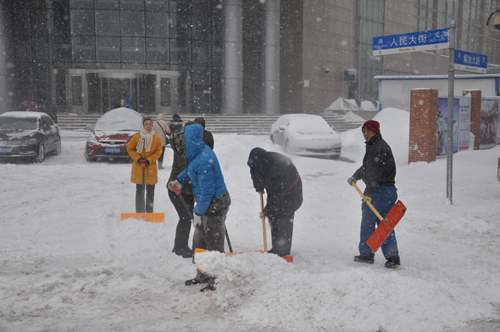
[41,153]
[58,148]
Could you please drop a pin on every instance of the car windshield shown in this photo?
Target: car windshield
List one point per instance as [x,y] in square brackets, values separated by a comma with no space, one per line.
[310,126]
[120,120]
[17,124]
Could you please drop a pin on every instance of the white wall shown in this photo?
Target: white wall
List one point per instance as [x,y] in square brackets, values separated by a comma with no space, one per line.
[395,91]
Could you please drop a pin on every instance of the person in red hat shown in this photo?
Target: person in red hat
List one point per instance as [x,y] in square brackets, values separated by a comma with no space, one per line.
[378,172]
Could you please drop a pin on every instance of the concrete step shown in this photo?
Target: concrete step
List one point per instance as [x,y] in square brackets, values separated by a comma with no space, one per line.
[240,124]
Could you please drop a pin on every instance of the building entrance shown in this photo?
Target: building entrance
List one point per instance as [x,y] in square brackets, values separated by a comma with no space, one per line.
[91,91]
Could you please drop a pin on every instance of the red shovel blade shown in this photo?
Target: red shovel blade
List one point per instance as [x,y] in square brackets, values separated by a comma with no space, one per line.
[386,226]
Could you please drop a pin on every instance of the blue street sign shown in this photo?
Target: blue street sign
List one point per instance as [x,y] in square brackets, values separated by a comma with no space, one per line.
[412,42]
[472,62]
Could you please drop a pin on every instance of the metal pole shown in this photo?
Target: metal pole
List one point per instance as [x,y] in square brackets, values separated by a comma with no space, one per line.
[451,97]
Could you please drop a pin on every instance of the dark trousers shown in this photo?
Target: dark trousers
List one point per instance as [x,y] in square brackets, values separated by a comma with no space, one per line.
[214,230]
[281,233]
[184,224]
[139,198]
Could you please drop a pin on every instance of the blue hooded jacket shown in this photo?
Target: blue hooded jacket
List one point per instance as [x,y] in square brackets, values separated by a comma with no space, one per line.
[203,169]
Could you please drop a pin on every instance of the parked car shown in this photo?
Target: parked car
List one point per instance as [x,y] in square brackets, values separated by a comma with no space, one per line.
[306,135]
[111,134]
[26,135]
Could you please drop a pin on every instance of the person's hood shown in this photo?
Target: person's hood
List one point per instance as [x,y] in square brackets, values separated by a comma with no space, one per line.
[193,135]
[259,160]
[160,116]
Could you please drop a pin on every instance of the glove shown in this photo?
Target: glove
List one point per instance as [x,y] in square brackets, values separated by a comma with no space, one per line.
[175,186]
[263,214]
[196,220]
[140,160]
[351,180]
[146,162]
[259,189]
[367,199]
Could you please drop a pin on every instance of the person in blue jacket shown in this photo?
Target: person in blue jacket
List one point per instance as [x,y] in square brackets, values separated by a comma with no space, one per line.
[212,198]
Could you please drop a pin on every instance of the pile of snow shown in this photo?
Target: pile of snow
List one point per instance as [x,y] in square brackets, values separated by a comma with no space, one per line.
[342,104]
[69,262]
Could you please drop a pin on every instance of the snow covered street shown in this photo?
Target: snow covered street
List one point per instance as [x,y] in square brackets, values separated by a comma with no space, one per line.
[67,262]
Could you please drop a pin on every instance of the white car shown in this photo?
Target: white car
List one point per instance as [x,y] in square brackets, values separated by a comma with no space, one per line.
[306,135]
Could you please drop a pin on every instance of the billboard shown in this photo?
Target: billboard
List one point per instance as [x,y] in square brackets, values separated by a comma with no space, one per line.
[489,132]
[461,125]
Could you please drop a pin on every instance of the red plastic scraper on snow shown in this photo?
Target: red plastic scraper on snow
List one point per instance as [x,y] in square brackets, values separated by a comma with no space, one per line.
[387,224]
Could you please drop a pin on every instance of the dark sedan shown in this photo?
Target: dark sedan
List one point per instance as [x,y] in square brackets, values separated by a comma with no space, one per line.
[26,135]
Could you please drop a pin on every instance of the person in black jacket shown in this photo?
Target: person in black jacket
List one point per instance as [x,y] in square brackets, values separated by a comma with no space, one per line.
[278,176]
[378,172]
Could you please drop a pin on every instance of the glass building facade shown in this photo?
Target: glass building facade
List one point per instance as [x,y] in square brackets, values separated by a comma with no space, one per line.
[90,55]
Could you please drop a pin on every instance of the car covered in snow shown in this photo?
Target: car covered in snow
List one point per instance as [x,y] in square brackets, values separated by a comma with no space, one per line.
[111,134]
[306,135]
[28,135]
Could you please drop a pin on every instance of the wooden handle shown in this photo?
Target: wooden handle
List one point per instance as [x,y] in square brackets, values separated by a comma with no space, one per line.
[368,203]
[263,220]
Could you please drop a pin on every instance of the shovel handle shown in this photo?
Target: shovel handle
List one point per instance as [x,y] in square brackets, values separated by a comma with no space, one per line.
[263,220]
[367,202]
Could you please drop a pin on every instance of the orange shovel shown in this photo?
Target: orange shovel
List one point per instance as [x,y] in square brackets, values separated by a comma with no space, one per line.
[149,217]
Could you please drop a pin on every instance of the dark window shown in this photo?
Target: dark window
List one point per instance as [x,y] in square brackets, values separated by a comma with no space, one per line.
[165,91]
[76,91]
[83,49]
[107,4]
[132,49]
[157,25]
[108,49]
[107,23]
[82,22]
[156,50]
[132,23]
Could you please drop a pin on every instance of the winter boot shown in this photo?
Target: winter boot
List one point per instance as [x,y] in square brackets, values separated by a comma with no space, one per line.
[184,252]
[210,287]
[370,259]
[393,262]
[160,165]
[201,278]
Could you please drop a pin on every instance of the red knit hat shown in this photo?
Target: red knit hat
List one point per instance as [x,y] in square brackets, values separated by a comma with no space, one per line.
[373,125]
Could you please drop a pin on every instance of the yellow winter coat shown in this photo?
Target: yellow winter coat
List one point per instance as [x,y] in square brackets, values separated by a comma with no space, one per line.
[152,155]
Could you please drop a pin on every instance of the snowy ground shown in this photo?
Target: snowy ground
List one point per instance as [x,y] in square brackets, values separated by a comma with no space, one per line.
[67,262]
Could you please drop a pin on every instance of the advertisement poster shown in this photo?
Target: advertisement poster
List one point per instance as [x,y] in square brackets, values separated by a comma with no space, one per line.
[464,123]
[489,123]
[442,127]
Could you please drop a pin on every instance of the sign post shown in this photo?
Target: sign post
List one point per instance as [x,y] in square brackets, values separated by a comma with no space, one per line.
[449,123]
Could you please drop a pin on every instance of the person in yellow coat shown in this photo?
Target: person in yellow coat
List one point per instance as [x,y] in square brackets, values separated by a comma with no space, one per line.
[144,149]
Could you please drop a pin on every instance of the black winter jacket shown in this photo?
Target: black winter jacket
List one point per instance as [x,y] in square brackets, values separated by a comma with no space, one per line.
[379,168]
[278,176]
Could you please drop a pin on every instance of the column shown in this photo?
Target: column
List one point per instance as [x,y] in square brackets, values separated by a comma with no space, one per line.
[475,115]
[232,85]
[271,101]
[423,125]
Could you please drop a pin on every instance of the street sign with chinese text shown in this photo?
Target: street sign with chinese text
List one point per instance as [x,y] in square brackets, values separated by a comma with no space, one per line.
[472,62]
[412,42]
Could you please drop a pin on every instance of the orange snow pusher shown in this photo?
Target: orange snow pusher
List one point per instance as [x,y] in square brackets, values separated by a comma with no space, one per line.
[387,224]
[149,217]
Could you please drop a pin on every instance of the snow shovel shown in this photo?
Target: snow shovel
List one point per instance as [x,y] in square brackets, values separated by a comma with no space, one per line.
[149,217]
[289,259]
[387,224]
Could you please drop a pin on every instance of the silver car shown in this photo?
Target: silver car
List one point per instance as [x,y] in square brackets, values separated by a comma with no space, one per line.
[306,135]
